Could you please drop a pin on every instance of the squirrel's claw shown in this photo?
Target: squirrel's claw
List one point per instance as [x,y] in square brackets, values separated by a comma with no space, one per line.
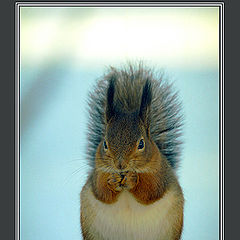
[114,182]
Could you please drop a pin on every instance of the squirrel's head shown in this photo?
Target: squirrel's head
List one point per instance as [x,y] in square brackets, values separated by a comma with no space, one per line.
[127,144]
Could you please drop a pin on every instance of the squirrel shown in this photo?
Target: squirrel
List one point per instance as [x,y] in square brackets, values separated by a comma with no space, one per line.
[134,130]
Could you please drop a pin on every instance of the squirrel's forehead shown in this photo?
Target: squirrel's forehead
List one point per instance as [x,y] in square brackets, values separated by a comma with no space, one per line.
[124,129]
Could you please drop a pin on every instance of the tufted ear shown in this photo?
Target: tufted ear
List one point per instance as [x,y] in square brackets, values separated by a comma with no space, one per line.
[145,104]
[110,111]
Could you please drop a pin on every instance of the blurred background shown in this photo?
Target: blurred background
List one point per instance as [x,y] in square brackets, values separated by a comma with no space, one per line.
[63,51]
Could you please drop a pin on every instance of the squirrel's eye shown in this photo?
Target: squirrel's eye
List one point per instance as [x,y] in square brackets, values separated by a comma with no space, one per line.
[141,144]
[105,145]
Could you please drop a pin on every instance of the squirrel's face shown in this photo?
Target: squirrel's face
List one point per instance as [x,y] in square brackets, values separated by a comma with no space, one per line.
[126,145]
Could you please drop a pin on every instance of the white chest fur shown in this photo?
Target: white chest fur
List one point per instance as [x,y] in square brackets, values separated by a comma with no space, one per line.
[130,220]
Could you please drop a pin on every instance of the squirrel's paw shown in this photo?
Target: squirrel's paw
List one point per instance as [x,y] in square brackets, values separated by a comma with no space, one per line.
[114,182]
[130,180]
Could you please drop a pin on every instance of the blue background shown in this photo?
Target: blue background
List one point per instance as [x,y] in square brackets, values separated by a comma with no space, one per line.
[63,52]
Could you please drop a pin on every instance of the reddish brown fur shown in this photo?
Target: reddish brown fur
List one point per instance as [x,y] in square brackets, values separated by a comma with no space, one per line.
[146,187]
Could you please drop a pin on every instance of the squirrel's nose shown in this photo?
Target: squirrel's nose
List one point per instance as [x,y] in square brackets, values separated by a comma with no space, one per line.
[121,165]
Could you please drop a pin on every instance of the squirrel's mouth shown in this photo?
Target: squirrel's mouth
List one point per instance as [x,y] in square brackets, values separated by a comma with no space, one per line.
[123,174]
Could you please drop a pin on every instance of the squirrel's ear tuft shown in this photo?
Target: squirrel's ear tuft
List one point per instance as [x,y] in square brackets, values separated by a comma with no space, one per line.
[110,96]
[145,104]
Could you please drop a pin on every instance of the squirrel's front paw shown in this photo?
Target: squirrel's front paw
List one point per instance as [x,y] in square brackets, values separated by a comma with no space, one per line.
[130,180]
[114,182]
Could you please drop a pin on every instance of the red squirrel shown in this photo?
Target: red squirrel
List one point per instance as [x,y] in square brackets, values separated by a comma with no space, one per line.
[132,191]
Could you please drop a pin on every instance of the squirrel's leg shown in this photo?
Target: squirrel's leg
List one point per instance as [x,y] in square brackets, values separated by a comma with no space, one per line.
[85,228]
[178,223]
[178,229]
[106,186]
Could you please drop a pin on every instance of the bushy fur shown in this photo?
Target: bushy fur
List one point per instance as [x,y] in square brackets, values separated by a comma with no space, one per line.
[165,116]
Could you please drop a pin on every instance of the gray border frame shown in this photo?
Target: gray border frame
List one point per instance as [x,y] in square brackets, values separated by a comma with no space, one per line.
[18,5]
